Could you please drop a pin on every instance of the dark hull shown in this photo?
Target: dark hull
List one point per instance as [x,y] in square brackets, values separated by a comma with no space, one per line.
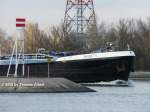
[82,71]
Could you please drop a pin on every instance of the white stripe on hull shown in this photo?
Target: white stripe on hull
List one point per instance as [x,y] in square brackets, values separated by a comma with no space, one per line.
[97,56]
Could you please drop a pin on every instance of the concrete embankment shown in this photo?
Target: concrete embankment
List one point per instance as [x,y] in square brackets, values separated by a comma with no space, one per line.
[140,75]
[40,85]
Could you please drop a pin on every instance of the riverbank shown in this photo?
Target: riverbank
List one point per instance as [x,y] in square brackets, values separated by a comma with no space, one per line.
[141,75]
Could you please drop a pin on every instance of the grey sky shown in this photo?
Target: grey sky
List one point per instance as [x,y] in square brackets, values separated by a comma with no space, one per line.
[50,12]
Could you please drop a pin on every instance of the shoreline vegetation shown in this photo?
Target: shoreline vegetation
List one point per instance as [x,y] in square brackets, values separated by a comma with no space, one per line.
[126,33]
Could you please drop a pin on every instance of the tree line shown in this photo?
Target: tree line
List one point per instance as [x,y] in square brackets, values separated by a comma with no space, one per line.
[133,33]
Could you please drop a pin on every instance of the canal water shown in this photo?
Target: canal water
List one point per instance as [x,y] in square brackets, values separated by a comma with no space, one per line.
[134,98]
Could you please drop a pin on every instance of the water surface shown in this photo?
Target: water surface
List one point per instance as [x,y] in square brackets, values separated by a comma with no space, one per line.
[135,98]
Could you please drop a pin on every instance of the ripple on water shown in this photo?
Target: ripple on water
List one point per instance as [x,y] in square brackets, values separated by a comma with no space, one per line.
[133,98]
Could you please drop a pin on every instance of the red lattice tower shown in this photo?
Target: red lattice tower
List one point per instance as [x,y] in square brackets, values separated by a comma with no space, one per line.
[79,15]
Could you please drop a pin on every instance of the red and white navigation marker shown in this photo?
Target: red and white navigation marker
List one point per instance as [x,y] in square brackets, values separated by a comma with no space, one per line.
[18,46]
[20,25]
[20,22]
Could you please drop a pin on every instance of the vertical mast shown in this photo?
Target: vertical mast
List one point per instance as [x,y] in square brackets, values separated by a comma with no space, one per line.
[20,25]
[18,49]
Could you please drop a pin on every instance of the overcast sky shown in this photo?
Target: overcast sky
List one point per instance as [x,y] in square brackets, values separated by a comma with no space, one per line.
[51,12]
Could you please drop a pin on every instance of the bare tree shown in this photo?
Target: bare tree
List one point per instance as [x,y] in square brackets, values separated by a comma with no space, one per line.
[5,43]
[35,38]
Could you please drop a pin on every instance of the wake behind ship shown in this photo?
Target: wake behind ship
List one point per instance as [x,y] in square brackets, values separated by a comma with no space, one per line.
[81,68]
